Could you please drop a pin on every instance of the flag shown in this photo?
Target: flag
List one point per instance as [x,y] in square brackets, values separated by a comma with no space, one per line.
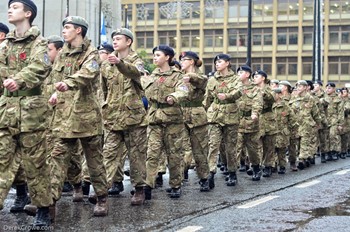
[103,34]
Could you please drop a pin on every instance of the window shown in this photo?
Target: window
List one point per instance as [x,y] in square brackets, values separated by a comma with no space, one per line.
[307,35]
[190,39]
[339,34]
[128,14]
[308,7]
[144,39]
[262,36]
[263,8]
[262,64]
[237,37]
[167,37]
[339,65]
[213,38]
[233,8]
[214,9]
[288,7]
[287,66]
[307,65]
[145,11]
[287,36]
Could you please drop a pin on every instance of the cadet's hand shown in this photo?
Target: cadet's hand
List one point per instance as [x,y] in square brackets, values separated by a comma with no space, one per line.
[112,59]
[221,96]
[186,79]
[53,99]
[61,86]
[340,128]
[254,117]
[170,100]
[11,85]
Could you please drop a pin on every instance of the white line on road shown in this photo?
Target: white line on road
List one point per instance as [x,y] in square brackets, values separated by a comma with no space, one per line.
[190,229]
[308,184]
[257,202]
[342,172]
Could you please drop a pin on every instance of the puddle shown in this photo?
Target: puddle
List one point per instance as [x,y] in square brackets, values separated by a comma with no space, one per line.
[342,209]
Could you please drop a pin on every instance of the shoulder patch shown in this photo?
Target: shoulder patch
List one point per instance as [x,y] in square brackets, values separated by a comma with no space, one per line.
[46,59]
[94,64]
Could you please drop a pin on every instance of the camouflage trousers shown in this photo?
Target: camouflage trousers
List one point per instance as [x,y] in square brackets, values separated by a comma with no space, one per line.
[344,142]
[227,135]
[323,137]
[334,139]
[165,139]
[162,163]
[222,155]
[135,141]
[28,149]
[268,151]
[199,145]
[251,144]
[187,150]
[306,149]
[62,155]
[293,150]
[281,156]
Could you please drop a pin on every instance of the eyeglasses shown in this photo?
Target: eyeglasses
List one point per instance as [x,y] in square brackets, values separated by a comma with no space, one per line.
[102,52]
[185,59]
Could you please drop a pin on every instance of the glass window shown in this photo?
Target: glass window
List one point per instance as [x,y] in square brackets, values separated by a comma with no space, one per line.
[214,9]
[144,39]
[145,11]
[243,8]
[190,39]
[213,38]
[308,7]
[307,35]
[196,10]
[288,7]
[334,7]
[233,6]
[167,37]
[293,69]
[237,37]
[307,65]
[345,37]
[282,38]
[262,64]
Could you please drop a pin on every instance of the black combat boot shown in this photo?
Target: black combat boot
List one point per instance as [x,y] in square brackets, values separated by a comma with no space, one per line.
[267,171]
[323,158]
[232,179]
[21,199]
[242,167]
[312,160]
[78,193]
[348,154]
[250,171]
[42,220]
[342,155]
[211,180]
[282,170]
[185,174]
[175,193]
[86,188]
[117,187]
[256,172]
[335,155]
[301,164]
[329,156]
[148,192]
[159,180]
[67,187]
[204,183]
[127,172]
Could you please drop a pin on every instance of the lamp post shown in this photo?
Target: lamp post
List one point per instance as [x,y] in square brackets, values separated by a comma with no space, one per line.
[249,32]
[317,41]
[126,16]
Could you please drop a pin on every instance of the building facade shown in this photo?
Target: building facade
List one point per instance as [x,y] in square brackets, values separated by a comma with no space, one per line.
[282,32]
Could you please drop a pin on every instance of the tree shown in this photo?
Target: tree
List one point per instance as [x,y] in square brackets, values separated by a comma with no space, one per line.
[148,65]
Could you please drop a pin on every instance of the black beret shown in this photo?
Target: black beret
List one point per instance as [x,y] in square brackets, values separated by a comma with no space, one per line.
[164,48]
[260,72]
[107,47]
[222,57]
[331,84]
[244,68]
[319,83]
[28,3]
[310,84]
[189,54]
[4,28]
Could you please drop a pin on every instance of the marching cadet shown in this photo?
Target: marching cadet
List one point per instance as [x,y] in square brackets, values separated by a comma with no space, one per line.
[124,114]
[3,32]
[323,132]
[274,84]
[308,118]
[220,101]
[285,121]
[335,117]
[195,116]
[250,108]
[165,91]
[24,65]
[268,128]
[78,64]
[344,134]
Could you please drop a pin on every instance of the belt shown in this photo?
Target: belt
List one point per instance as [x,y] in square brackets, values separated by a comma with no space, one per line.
[217,101]
[161,105]
[246,113]
[192,104]
[23,93]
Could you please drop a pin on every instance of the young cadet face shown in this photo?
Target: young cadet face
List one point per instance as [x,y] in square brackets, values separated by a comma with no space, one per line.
[330,89]
[15,13]
[258,79]
[221,65]
[345,93]
[301,88]
[103,55]
[121,42]
[317,87]
[243,75]
[186,63]
[159,58]
[52,51]
[70,33]
[273,85]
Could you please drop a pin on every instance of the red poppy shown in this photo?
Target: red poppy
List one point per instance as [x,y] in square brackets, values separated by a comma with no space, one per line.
[284,114]
[223,84]
[161,79]
[23,56]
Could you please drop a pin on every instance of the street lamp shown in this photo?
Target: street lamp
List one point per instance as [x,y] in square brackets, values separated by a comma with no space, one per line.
[126,16]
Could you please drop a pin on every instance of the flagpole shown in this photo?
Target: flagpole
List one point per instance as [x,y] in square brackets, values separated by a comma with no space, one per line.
[100,21]
[67,8]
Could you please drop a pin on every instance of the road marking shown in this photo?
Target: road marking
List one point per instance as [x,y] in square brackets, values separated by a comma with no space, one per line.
[190,229]
[342,172]
[308,184]
[257,202]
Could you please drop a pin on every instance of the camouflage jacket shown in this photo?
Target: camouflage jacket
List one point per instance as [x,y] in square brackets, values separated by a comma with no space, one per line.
[307,113]
[193,110]
[223,112]
[335,115]
[322,105]
[267,120]
[26,61]
[346,109]
[121,84]
[250,103]
[286,121]
[77,113]
[158,86]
